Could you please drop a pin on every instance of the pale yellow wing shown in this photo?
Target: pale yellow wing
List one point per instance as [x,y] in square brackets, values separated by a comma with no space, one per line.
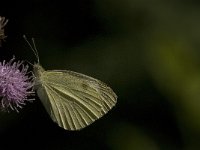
[74,100]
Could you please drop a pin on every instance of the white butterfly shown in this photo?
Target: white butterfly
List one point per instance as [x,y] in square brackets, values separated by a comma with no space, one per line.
[72,100]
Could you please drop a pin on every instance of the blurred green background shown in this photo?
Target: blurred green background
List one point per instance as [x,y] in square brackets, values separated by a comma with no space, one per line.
[146,50]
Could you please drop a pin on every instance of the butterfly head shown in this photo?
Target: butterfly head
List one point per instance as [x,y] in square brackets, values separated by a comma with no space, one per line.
[38,70]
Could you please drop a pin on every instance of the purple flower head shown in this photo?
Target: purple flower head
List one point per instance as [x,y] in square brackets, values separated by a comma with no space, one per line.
[15,85]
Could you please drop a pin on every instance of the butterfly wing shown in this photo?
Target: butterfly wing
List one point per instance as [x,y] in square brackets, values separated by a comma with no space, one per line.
[74,100]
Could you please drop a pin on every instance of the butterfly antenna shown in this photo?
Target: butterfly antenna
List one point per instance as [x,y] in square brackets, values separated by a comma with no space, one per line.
[33,48]
[36,51]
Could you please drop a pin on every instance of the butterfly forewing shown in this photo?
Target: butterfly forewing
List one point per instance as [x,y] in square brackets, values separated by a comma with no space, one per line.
[74,100]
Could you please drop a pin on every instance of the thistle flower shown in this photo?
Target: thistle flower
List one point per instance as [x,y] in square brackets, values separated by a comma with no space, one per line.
[3,23]
[15,85]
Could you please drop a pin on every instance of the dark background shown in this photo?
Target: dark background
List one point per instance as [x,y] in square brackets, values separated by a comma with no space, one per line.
[147,51]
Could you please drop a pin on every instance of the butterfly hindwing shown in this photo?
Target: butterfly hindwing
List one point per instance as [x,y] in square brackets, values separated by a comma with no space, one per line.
[74,100]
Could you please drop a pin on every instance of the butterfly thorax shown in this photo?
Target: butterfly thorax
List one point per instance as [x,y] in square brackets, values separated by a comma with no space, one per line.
[38,71]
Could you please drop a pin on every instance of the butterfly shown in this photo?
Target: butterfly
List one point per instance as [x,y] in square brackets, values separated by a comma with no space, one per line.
[72,100]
